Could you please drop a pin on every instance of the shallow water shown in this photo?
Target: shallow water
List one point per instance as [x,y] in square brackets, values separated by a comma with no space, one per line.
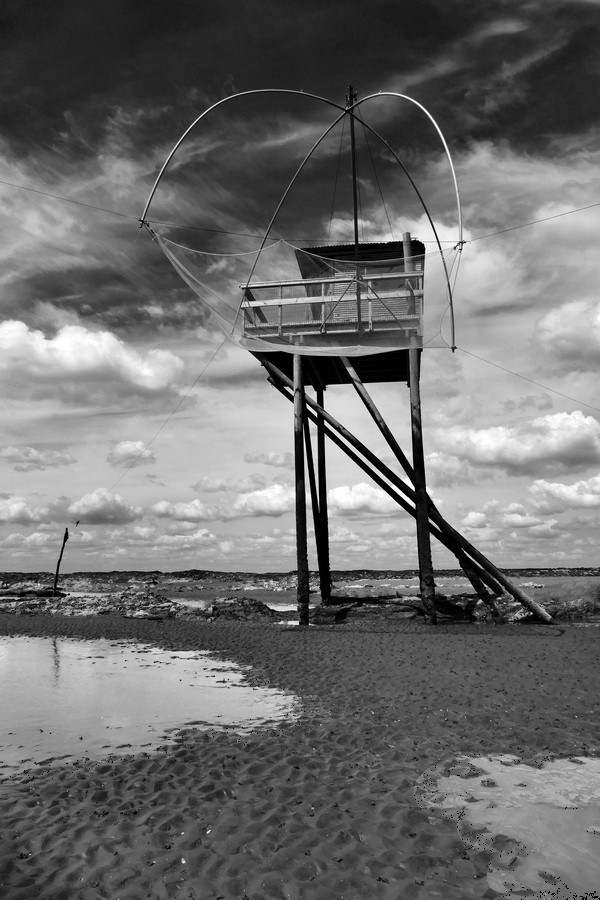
[542,824]
[64,698]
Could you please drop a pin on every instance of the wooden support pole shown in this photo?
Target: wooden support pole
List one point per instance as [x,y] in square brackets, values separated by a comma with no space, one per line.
[301,530]
[451,543]
[450,537]
[472,572]
[427,583]
[324,560]
[378,418]
[312,481]
[471,569]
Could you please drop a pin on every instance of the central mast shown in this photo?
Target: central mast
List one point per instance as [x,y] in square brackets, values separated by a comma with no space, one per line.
[351,99]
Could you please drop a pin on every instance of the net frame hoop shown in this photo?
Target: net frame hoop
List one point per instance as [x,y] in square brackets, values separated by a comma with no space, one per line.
[344,111]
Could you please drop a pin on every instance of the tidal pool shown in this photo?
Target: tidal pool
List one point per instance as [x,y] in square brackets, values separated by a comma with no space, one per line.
[541,824]
[63,698]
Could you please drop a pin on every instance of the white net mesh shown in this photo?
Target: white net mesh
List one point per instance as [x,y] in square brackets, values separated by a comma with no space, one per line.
[322,301]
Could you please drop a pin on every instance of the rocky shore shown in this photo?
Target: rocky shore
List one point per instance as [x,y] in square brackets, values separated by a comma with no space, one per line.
[241,596]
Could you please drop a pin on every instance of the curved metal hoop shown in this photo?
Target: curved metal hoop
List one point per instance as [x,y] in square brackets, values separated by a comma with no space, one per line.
[343,111]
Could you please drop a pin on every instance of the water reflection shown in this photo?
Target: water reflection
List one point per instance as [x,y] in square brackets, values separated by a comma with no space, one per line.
[55,659]
[542,825]
[64,698]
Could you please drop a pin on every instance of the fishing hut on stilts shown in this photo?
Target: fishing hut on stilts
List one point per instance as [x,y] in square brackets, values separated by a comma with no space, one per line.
[351,314]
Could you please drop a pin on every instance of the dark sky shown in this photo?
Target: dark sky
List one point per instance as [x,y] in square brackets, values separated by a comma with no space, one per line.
[523,72]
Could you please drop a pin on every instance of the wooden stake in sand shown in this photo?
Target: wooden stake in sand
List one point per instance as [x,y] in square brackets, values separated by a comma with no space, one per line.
[62,550]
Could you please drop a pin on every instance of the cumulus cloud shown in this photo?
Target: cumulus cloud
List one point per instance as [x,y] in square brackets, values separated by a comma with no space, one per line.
[553,497]
[100,507]
[343,536]
[26,459]
[130,454]
[75,353]
[571,333]
[544,531]
[445,471]
[192,511]
[475,520]
[274,500]
[209,485]
[201,536]
[16,510]
[359,500]
[279,460]
[555,441]
[521,520]
[513,524]
[37,540]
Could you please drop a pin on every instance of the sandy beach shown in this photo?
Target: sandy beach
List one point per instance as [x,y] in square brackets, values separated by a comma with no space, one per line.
[322,808]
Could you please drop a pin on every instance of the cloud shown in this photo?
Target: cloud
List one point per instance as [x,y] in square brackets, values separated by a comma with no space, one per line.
[541,402]
[520,81]
[274,500]
[571,333]
[193,511]
[100,507]
[555,441]
[26,459]
[76,354]
[508,526]
[360,500]
[521,520]
[553,497]
[130,454]
[475,520]
[200,537]
[209,485]
[544,531]
[279,460]
[446,471]
[16,510]
[343,536]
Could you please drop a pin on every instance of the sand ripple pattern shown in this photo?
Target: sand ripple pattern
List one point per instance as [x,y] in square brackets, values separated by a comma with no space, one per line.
[321,809]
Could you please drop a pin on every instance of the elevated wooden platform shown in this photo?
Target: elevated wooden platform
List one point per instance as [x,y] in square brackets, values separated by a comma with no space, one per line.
[321,371]
[367,295]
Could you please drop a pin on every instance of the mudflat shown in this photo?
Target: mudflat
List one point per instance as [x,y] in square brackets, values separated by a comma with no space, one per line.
[320,808]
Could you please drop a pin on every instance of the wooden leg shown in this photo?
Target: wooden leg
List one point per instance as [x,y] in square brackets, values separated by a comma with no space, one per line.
[421,500]
[372,464]
[324,561]
[301,530]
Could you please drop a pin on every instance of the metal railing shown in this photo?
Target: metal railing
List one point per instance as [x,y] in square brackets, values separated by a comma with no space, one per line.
[388,301]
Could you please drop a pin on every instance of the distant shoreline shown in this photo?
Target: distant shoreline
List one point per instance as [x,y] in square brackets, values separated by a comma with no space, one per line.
[336,574]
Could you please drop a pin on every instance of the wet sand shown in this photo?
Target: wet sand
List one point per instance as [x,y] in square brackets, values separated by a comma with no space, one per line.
[323,808]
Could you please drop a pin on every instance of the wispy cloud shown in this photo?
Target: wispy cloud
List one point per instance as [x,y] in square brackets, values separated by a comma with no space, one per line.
[27,459]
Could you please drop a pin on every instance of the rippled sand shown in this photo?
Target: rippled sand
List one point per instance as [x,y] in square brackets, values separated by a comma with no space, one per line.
[322,808]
